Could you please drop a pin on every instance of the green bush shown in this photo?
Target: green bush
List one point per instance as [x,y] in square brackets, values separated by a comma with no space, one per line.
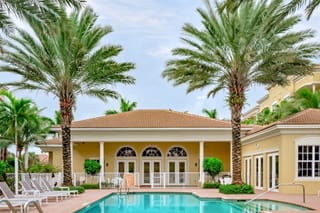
[209,185]
[42,168]
[213,166]
[91,167]
[90,186]
[79,188]
[236,189]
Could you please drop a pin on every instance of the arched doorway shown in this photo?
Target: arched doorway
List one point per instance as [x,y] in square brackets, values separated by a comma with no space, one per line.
[177,165]
[151,166]
[126,159]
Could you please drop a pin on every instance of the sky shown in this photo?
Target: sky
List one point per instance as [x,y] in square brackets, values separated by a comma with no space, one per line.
[148,30]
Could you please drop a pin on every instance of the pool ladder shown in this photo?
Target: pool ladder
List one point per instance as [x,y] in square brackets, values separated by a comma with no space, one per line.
[126,189]
[275,187]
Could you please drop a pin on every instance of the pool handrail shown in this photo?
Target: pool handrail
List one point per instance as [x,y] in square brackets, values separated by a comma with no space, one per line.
[10,206]
[277,186]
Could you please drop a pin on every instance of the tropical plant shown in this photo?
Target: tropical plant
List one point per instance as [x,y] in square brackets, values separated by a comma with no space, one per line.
[213,166]
[305,98]
[91,167]
[125,106]
[21,123]
[211,113]
[234,50]
[65,59]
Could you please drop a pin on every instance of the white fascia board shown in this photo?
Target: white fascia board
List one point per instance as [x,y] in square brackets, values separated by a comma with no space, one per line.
[282,129]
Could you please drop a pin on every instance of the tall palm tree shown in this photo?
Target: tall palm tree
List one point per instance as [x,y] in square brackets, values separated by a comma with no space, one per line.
[211,113]
[125,106]
[66,60]
[233,50]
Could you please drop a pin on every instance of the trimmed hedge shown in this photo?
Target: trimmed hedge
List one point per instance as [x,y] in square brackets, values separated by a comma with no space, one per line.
[210,185]
[90,186]
[236,189]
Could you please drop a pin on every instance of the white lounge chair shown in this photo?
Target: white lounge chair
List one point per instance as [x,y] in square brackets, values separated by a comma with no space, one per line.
[8,194]
[55,194]
[62,188]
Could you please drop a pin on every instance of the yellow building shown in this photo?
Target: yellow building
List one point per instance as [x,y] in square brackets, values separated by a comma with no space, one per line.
[276,94]
[284,153]
[166,148]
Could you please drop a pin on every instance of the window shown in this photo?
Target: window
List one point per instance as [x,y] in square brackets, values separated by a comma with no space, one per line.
[151,152]
[308,161]
[177,152]
[126,152]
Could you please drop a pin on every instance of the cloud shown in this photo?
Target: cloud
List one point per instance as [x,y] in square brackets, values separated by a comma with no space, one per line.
[161,51]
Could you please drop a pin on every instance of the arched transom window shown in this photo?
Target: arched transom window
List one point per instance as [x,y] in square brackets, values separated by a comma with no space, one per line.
[126,152]
[177,152]
[151,152]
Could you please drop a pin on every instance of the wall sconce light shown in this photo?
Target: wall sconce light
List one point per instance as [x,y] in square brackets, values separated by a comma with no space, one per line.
[195,164]
[107,164]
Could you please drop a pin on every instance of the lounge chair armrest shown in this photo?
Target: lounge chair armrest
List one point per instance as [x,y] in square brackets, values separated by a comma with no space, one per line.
[32,192]
[64,188]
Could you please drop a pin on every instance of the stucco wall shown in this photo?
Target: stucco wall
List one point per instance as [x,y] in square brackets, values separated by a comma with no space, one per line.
[286,146]
[87,150]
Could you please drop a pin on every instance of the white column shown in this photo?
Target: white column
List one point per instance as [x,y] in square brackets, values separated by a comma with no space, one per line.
[102,161]
[313,88]
[231,165]
[201,157]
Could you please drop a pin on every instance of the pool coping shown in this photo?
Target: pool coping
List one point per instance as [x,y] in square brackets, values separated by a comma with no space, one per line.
[90,196]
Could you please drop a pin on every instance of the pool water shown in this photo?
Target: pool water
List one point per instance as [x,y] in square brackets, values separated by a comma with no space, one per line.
[177,202]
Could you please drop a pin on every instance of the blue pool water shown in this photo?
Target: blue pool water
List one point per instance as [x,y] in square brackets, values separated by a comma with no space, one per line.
[177,202]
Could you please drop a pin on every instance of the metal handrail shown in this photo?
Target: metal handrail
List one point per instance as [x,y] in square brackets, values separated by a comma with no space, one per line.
[35,202]
[275,187]
[12,209]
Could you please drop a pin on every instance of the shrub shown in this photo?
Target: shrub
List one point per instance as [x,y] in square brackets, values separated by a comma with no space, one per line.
[236,189]
[91,167]
[213,166]
[42,168]
[90,186]
[209,185]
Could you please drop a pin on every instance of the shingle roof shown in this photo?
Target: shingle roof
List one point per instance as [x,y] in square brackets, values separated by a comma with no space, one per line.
[151,119]
[306,117]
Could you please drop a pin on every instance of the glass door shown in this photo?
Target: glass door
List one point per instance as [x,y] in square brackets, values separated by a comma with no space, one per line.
[259,172]
[126,166]
[247,170]
[151,172]
[177,170]
[273,171]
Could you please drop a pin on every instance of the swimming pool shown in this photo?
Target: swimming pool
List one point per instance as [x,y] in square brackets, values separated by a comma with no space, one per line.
[178,202]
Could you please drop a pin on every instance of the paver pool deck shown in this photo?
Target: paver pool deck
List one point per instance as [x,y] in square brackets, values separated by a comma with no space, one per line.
[75,203]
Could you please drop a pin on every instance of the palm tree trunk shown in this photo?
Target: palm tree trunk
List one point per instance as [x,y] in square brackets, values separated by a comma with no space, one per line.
[236,101]
[66,114]
[236,144]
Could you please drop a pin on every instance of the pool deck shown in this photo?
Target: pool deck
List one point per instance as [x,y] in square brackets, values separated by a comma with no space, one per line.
[78,202]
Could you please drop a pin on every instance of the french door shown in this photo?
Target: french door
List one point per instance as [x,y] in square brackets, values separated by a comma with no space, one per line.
[151,172]
[259,172]
[247,170]
[177,170]
[126,166]
[273,171]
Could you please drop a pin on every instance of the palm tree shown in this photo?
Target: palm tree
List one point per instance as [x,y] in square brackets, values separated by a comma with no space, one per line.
[66,60]
[125,106]
[290,7]
[30,8]
[234,50]
[210,113]
[305,98]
